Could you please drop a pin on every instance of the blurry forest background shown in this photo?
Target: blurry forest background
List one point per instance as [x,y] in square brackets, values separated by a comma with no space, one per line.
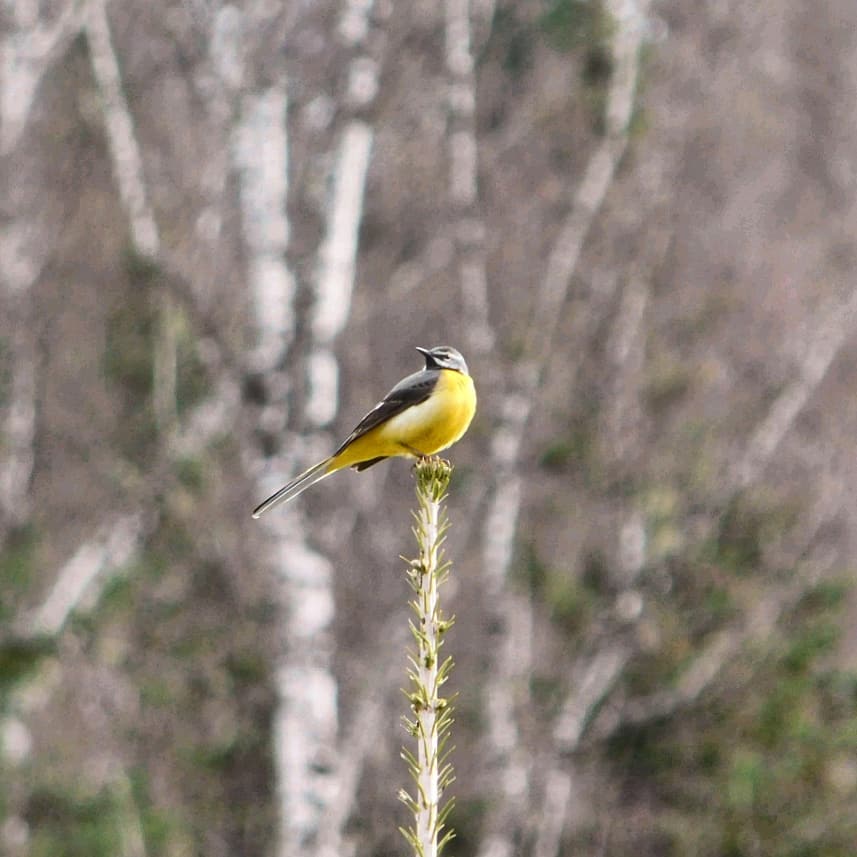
[223,229]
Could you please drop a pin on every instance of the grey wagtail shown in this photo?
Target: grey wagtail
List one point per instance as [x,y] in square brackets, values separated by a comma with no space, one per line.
[423,414]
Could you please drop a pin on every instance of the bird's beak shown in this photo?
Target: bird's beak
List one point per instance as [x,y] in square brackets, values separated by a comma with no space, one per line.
[424,351]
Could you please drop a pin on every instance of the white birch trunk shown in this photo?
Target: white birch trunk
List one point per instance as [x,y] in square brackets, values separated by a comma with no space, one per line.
[305,723]
[510,766]
[463,174]
[261,156]
[331,311]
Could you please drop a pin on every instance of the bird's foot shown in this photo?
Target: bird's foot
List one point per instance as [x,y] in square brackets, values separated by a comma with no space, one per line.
[422,460]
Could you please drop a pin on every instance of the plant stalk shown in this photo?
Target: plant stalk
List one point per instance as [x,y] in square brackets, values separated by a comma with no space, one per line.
[432,712]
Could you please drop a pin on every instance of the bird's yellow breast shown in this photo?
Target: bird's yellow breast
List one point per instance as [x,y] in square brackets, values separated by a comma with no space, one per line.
[438,422]
[423,429]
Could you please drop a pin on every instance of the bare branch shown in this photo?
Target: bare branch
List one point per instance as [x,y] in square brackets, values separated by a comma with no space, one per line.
[593,678]
[132,841]
[720,651]
[627,352]
[81,580]
[759,623]
[554,811]
[27,51]
[210,419]
[629,17]
[20,428]
[501,521]
[121,137]
[128,171]
[360,736]
[825,343]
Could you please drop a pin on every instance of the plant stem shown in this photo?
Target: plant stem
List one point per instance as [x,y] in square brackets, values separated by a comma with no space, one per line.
[432,713]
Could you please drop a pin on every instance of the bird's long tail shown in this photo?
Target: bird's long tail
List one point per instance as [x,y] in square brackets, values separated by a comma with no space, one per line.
[300,483]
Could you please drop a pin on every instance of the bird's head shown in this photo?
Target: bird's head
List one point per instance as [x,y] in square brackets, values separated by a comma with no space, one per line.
[443,357]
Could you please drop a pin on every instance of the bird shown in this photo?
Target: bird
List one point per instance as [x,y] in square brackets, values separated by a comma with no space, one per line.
[422,415]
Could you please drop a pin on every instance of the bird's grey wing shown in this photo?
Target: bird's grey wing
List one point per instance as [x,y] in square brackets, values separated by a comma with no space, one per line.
[410,391]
